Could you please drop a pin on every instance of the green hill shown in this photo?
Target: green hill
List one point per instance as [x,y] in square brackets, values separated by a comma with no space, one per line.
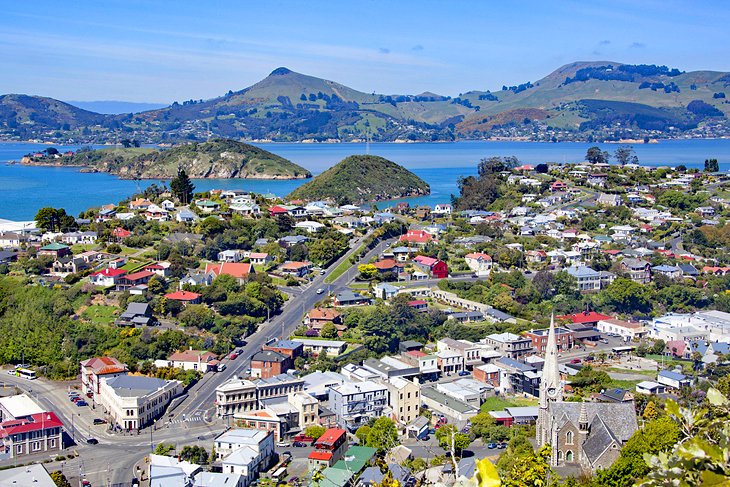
[219,158]
[290,106]
[362,178]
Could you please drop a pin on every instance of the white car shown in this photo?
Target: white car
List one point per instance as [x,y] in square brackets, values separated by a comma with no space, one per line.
[320,291]
[283,444]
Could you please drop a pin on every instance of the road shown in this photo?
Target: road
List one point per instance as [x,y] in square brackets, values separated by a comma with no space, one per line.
[201,396]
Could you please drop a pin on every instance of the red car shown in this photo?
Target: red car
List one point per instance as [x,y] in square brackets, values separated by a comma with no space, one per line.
[233,356]
[575,361]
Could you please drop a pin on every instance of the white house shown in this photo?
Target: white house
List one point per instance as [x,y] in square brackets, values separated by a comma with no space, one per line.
[310,226]
[246,452]
[627,330]
[479,262]
[442,209]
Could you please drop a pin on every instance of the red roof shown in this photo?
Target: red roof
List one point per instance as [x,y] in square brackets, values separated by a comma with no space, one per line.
[417,302]
[120,232]
[422,259]
[585,317]
[330,437]
[321,455]
[156,267]
[416,353]
[478,255]
[36,422]
[236,269]
[183,296]
[385,264]
[137,276]
[612,252]
[109,272]
[278,210]
[104,365]
[416,236]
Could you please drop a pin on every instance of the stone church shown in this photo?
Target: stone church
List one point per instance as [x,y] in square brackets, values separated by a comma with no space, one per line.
[585,436]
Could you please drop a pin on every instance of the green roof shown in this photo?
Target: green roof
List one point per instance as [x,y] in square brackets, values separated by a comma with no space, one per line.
[55,246]
[334,477]
[356,458]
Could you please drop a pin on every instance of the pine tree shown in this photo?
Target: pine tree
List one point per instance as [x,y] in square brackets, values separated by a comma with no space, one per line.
[650,411]
[181,186]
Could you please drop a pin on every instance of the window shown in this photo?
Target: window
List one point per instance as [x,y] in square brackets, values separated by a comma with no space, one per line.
[569,438]
[569,456]
[36,445]
[560,456]
[18,449]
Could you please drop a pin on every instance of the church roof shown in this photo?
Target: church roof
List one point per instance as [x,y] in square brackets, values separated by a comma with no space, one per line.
[599,439]
[619,418]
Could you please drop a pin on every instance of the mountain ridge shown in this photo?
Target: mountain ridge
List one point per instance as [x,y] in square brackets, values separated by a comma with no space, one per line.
[291,106]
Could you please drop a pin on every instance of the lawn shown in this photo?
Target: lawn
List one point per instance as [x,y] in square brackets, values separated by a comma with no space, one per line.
[78,248]
[498,403]
[340,269]
[100,314]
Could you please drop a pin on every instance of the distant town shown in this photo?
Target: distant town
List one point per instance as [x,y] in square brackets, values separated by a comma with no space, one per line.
[557,322]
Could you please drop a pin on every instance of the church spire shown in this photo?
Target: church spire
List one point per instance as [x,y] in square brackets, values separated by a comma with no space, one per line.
[550,387]
[583,418]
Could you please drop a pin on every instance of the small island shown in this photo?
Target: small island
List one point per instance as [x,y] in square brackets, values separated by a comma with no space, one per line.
[362,178]
[217,159]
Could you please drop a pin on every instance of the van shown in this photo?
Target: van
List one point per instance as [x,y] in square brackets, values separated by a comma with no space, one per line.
[270,340]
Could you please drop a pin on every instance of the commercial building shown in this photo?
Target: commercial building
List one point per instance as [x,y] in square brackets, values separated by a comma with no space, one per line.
[471,354]
[564,337]
[234,396]
[18,406]
[277,386]
[268,363]
[331,348]
[34,474]
[509,344]
[95,369]
[456,411]
[134,402]
[627,330]
[37,433]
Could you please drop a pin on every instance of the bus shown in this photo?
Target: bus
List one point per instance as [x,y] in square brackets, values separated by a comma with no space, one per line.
[279,475]
[26,374]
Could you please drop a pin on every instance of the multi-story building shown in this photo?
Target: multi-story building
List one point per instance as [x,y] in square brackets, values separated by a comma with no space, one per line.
[234,396]
[471,353]
[278,386]
[404,399]
[133,402]
[627,330]
[428,365]
[245,452]
[587,279]
[355,403]
[450,362]
[565,339]
[268,363]
[37,433]
[307,408]
[511,345]
[95,369]
[637,269]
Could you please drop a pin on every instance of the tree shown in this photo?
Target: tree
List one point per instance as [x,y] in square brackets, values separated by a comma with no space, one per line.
[530,470]
[711,165]
[625,155]
[194,454]
[53,219]
[595,155]
[181,187]
[362,434]
[59,479]
[449,437]
[543,282]
[314,431]
[367,271]
[627,296]
[198,315]
[164,448]
[329,330]
[383,435]
[650,411]
[658,347]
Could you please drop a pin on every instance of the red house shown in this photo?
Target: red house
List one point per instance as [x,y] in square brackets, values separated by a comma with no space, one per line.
[585,318]
[278,210]
[437,268]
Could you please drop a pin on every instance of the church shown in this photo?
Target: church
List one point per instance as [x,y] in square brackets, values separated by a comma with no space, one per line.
[584,436]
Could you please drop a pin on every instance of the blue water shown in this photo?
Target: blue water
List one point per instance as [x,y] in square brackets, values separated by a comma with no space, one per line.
[25,189]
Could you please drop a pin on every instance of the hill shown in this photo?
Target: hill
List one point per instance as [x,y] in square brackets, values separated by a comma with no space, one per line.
[219,158]
[362,178]
[290,106]
[114,107]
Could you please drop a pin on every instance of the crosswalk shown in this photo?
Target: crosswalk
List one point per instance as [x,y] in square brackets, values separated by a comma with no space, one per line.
[196,417]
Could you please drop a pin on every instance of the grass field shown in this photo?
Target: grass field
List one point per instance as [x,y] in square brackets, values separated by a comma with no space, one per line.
[498,403]
[99,314]
[342,268]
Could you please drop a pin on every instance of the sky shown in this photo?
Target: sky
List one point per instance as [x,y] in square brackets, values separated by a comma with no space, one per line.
[165,51]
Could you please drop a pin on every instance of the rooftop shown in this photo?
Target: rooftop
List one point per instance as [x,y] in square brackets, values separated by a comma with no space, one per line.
[135,385]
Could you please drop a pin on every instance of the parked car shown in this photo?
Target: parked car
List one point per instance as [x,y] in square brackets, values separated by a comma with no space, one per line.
[603,340]
[233,356]
[575,361]
[492,446]
[502,445]
[82,403]
[299,444]
[99,421]
[92,441]
[426,438]
[283,444]
[464,372]
[320,291]
[75,399]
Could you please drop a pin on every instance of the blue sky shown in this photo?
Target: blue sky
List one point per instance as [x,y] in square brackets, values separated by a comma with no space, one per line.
[157,51]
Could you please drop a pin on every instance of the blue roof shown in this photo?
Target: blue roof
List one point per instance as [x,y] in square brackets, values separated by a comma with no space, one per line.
[665,268]
[582,271]
[516,364]
[672,375]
